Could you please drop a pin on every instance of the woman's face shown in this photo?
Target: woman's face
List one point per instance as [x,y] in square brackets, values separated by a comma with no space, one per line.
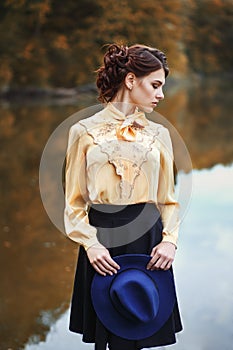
[147,91]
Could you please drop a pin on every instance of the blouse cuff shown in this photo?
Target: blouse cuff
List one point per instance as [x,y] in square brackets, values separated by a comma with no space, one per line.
[170,237]
[86,242]
[90,242]
[78,228]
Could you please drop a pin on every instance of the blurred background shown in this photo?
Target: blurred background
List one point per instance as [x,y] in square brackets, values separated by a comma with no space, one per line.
[49,51]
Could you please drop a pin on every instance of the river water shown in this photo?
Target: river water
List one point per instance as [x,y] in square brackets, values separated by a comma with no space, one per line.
[38,262]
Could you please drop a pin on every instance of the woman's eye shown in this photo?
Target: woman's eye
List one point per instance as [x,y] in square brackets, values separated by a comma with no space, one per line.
[155,86]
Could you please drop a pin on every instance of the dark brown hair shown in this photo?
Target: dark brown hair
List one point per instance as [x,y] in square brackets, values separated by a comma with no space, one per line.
[119,60]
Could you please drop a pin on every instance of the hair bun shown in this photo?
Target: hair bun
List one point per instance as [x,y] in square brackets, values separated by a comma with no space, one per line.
[117,54]
[112,73]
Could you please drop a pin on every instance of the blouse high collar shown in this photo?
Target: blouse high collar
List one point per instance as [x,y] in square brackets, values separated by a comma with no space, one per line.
[128,128]
[138,116]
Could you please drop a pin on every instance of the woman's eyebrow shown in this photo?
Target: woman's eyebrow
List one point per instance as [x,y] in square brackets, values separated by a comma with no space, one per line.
[158,81]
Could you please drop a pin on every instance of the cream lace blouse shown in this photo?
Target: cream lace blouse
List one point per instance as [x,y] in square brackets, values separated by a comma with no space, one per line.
[118,159]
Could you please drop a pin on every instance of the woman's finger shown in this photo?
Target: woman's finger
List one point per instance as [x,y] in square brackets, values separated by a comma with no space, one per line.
[152,261]
[157,264]
[112,263]
[104,266]
[168,265]
[96,267]
[163,264]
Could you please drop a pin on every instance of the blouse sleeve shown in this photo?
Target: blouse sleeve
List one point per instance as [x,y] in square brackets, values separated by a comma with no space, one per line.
[76,208]
[169,207]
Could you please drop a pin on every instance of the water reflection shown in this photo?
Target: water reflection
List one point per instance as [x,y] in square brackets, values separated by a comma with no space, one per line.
[36,285]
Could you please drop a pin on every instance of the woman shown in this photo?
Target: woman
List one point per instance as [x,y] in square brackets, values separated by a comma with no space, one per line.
[118,164]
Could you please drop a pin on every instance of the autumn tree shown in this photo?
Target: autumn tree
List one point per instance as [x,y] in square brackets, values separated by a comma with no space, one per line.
[49,43]
[209,36]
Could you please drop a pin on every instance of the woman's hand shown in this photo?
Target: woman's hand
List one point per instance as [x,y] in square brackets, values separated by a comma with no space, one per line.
[163,256]
[101,260]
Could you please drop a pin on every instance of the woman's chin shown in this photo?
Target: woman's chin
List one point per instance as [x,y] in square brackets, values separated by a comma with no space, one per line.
[147,109]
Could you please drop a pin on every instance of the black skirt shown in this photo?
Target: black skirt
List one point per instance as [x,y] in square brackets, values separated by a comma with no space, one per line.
[109,220]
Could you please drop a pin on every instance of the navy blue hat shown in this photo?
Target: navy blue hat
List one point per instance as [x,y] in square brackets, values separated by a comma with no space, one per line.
[136,302]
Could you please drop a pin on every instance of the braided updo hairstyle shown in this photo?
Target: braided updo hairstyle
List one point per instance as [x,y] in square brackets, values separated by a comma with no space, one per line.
[119,60]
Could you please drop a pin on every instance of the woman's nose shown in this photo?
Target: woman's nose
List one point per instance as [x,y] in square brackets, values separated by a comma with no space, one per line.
[160,94]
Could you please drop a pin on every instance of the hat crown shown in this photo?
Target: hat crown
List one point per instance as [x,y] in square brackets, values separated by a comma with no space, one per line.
[134,295]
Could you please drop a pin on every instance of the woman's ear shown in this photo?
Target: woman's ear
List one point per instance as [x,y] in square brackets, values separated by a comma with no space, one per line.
[129,80]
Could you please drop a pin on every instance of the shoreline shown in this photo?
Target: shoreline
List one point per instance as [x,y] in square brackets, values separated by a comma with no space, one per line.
[35,92]
[23,93]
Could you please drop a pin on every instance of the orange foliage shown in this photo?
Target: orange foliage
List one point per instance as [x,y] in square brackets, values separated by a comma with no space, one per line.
[42,8]
[61,42]
[57,45]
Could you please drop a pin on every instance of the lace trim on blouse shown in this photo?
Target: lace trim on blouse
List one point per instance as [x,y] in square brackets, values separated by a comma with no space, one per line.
[127,157]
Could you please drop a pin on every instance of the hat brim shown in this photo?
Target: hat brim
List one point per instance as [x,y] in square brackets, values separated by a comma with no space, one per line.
[112,319]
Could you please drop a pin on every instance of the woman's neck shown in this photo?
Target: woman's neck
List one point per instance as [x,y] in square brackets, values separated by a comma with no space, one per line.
[122,102]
